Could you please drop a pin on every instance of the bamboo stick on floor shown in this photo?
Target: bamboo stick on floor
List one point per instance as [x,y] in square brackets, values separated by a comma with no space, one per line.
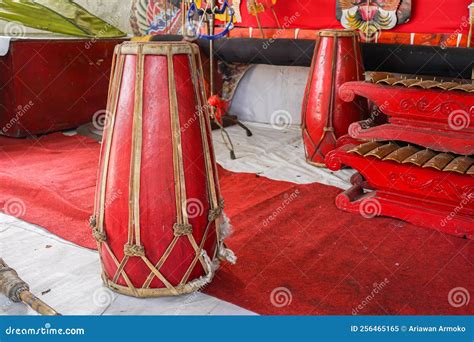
[15,289]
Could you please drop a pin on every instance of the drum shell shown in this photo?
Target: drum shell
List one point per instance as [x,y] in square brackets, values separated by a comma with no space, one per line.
[159,168]
[337,59]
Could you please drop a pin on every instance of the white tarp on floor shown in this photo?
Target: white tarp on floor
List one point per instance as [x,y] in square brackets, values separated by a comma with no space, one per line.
[276,153]
[67,277]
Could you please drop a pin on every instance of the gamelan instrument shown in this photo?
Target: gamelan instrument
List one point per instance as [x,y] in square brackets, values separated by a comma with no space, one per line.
[426,112]
[17,290]
[158,217]
[419,165]
[336,60]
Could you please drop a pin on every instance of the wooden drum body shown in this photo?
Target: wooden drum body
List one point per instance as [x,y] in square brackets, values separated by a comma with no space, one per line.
[337,59]
[158,218]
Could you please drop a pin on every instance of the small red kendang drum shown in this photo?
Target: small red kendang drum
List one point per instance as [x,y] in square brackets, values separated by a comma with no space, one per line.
[158,217]
[336,60]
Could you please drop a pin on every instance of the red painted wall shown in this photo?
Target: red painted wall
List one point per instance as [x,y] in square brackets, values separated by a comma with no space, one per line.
[428,16]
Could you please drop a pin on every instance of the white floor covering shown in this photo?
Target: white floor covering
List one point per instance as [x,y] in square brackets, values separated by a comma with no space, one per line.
[277,153]
[67,276]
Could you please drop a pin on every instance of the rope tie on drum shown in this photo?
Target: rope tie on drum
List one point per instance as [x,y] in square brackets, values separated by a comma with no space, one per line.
[98,235]
[182,229]
[216,212]
[134,250]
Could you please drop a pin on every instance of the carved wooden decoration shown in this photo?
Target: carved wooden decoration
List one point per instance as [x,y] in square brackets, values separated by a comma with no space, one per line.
[372,16]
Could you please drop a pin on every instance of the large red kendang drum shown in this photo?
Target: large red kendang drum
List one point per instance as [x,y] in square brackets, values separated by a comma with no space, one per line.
[158,216]
[325,117]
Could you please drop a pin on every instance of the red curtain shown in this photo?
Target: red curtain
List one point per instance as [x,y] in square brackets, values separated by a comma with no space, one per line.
[428,16]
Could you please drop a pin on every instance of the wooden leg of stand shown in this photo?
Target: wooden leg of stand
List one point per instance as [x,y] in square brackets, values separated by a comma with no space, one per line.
[227,140]
[240,124]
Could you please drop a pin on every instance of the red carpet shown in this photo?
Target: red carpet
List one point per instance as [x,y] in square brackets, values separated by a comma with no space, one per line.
[50,182]
[297,253]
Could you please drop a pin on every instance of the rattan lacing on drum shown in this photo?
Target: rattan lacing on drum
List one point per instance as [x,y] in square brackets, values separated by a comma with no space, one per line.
[182,228]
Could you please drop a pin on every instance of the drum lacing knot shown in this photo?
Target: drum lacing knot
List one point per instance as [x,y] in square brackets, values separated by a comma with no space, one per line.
[98,235]
[328,129]
[182,229]
[134,250]
[215,213]
[92,221]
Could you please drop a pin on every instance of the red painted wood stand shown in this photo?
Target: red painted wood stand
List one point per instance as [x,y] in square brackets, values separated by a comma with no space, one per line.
[426,176]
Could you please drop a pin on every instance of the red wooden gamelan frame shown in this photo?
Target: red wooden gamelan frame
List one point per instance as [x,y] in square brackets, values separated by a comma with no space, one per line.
[437,119]
[440,200]
[426,197]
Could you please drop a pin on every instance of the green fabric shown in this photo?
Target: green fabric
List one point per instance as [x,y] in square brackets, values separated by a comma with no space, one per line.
[58,16]
[33,15]
[88,22]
